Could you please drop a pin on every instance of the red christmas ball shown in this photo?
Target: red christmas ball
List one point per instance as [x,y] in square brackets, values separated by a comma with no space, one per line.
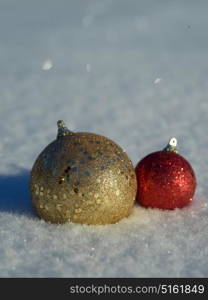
[165,179]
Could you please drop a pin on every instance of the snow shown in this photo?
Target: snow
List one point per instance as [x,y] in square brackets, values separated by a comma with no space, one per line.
[47,65]
[157,80]
[106,58]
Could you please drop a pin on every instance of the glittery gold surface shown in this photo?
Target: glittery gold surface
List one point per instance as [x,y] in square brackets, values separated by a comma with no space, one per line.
[83,178]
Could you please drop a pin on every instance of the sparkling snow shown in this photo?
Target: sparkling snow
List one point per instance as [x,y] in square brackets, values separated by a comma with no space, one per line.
[128,44]
[47,65]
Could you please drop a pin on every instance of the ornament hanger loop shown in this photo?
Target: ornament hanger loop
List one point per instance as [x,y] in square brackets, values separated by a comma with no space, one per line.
[172,145]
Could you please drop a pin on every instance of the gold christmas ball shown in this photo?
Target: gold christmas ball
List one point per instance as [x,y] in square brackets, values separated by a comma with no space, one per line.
[84,178]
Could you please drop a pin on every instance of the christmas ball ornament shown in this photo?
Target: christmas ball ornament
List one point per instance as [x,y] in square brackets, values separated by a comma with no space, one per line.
[83,178]
[165,179]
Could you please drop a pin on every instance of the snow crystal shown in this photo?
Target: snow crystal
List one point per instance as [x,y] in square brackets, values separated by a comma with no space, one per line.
[47,65]
[88,67]
[157,80]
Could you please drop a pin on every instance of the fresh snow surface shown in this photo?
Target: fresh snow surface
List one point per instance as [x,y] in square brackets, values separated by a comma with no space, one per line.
[134,71]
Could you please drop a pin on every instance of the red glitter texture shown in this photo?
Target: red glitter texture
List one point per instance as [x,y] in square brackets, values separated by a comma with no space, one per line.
[165,180]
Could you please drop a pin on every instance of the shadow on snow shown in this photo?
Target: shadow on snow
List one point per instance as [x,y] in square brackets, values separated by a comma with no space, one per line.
[14,193]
